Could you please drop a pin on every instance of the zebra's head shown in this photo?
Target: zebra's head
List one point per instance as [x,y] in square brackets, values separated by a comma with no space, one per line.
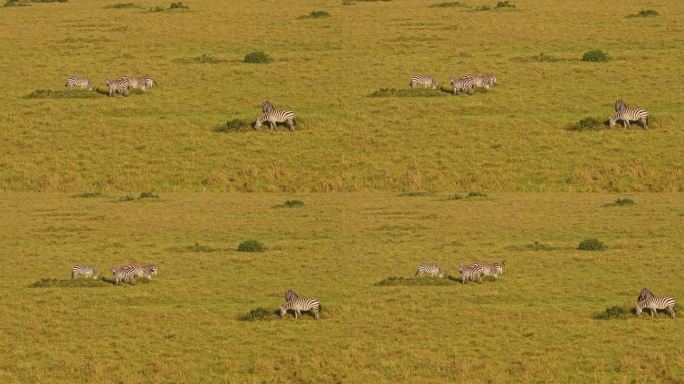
[639,308]
[282,310]
[259,122]
[612,119]
[115,270]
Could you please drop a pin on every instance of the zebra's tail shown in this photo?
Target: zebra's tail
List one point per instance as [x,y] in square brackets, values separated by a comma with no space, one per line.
[648,121]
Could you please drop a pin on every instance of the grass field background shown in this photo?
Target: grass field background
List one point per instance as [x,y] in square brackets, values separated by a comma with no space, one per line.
[535,324]
[514,138]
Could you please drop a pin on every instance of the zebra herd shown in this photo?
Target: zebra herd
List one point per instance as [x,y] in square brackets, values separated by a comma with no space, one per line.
[469,272]
[126,273]
[120,85]
[465,83]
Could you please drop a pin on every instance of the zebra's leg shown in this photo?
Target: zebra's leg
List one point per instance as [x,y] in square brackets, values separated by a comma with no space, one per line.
[298,314]
[644,123]
[316,314]
[625,123]
[290,124]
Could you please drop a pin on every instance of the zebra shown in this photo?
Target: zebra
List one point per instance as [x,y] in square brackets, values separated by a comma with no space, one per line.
[480,82]
[299,304]
[85,270]
[144,82]
[425,81]
[267,106]
[290,294]
[120,85]
[494,269]
[429,269]
[654,303]
[471,272]
[463,83]
[275,116]
[630,114]
[620,105]
[79,82]
[127,273]
[644,294]
[148,271]
[490,80]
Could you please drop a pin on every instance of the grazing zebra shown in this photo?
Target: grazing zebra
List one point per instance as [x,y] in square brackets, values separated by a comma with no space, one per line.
[126,273]
[148,271]
[471,272]
[79,82]
[494,269]
[299,304]
[490,80]
[462,84]
[630,114]
[429,269]
[654,303]
[144,82]
[85,270]
[267,106]
[290,294]
[120,85]
[644,294]
[480,82]
[275,116]
[620,106]
[425,81]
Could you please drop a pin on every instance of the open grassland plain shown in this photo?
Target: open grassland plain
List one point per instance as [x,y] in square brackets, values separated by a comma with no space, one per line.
[512,138]
[538,323]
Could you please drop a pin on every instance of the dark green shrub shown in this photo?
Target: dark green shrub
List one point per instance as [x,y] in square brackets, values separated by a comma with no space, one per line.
[620,203]
[178,5]
[258,57]
[316,15]
[234,125]
[614,312]
[645,13]
[259,314]
[504,4]
[595,55]
[587,124]
[251,246]
[591,245]
[448,4]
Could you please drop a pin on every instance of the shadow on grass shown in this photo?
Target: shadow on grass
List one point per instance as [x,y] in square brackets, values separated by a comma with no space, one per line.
[235,125]
[88,195]
[393,280]
[72,283]
[615,313]
[290,204]
[260,314]
[409,92]
[64,94]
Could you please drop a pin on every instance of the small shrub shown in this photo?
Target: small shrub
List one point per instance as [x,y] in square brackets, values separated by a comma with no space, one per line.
[234,125]
[504,4]
[620,203]
[587,124]
[455,197]
[122,6]
[178,5]
[448,4]
[290,204]
[615,312]
[645,13]
[316,15]
[595,55]
[258,57]
[251,246]
[259,314]
[148,195]
[591,245]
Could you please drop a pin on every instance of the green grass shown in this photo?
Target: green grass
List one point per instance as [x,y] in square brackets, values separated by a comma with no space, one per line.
[540,317]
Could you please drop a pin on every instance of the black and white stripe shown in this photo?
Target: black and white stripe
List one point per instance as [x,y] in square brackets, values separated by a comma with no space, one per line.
[299,304]
[425,81]
[620,105]
[429,269]
[490,80]
[148,271]
[79,82]
[471,272]
[290,294]
[644,294]
[630,114]
[464,83]
[126,273]
[83,269]
[120,85]
[495,269]
[275,116]
[267,106]
[654,303]
[144,82]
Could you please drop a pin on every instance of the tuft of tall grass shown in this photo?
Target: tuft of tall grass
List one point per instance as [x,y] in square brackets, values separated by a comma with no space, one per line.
[258,57]
[596,56]
[645,13]
[591,245]
[251,246]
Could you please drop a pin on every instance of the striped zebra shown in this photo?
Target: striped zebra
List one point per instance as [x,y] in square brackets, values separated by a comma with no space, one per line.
[495,269]
[620,105]
[267,106]
[429,269]
[85,270]
[462,84]
[425,81]
[275,116]
[480,82]
[490,80]
[127,273]
[630,114]
[120,85]
[471,272]
[144,82]
[148,271]
[290,294]
[79,82]
[299,304]
[654,303]
[644,294]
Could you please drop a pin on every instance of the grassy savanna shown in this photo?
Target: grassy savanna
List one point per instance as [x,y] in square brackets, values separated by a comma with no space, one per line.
[536,324]
[513,138]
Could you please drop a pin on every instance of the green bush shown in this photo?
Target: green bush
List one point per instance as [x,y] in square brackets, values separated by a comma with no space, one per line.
[645,13]
[595,55]
[148,195]
[259,314]
[258,57]
[614,312]
[234,125]
[587,124]
[251,246]
[178,5]
[504,4]
[620,203]
[591,245]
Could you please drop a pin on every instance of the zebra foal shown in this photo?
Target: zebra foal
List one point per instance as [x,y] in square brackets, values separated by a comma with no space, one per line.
[429,269]
[85,270]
